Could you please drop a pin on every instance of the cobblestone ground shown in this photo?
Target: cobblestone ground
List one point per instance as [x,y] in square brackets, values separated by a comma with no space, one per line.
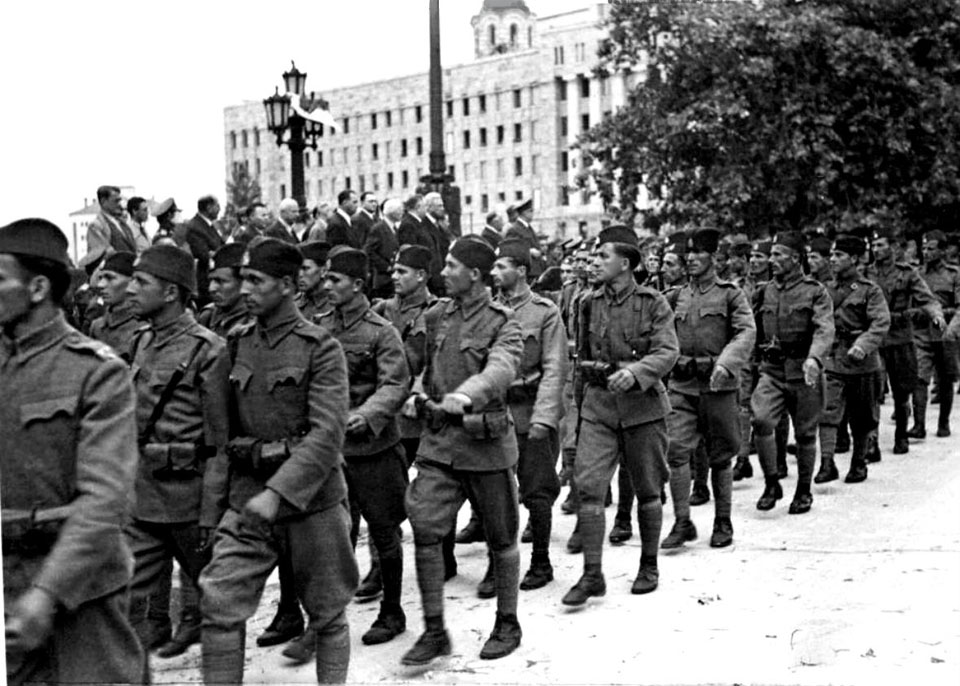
[865,589]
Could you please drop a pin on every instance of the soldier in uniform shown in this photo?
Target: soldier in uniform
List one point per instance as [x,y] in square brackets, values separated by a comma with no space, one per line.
[227,307]
[906,293]
[116,325]
[794,335]
[626,344]
[180,374]
[68,459]
[935,357]
[376,468]
[818,257]
[716,332]
[313,299]
[536,403]
[280,481]
[861,319]
[468,449]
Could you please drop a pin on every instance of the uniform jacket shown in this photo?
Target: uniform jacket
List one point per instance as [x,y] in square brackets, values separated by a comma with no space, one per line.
[68,436]
[473,346]
[107,234]
[313,305]
[943,280]
[220,320]
[381,248]
[543,366]
[288,381]
[907,294]
[861,317]
[378,373]
[115,327]
[797,315]
[341,232]
[632,328]
[714,322]
[204,240]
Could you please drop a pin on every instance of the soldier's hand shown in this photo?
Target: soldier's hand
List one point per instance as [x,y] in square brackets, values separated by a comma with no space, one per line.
[205,540]
[409,408]
[940,323]
[856,353]
[30,621]
[621,381]
[538,432]
[566,473]
[456,403]
[811,372]
[719,377]
[356,424]
[262,508]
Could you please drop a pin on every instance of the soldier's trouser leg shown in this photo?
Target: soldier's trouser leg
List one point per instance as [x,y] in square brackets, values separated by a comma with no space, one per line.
[597,454]
[900,362]
[700,466]
[568,445]
[946,373]
[645,452]
[781,437]
[496,497]
[158,604]
[333,650]
[745,414]
[804,405]
[926,369]
[683,428]
[624,496]
[152,545]
[93,643]
[718,415]
[769,406]
[833,412]
[539,487]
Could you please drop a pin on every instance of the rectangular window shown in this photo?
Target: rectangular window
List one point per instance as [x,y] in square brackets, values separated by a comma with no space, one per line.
[499,169]
[564,161]
[483,170]
[517,133]
[244,136]
[516,97]
[484,202]
[363,183]
[347,184]
[359,153]
[418,113]
[466,140]
[449,171]
[501,135]
[257,163]
[466,107]
[449,108]
[564,127]
[419,145]
[482,102]
[283,191]
[389,181]
[346,124]
[346,159]
[468,200]
[405,178]
[534,164]
[375,151]
[320,189]
[584,87]
[466,172]
[306,159]
[373,120]
[518,195]
[233,140]
[518,166]
[483,137]
[256,138]
[403,148]
[561,89]
[388,115]
[320,158]
[584,122]
[502,197]
[564,196]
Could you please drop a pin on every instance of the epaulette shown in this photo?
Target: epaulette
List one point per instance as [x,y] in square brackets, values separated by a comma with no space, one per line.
[375,319]
[728,284]
[142,328]
[77,341]
[241,329]
[811,280]
[200,331]
[313,332]
[645,291]
[500,307]
[209,307]
[906,266]
[542,300]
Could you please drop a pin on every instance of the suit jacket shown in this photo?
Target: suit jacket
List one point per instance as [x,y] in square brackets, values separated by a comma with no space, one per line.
[106,234]
[278,230]
[439,246]
[381,247]
[342,232]
[491,236]
[362,223]
[413,232]
[203,240]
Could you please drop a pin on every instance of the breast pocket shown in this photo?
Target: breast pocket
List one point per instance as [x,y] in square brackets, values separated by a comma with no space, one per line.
[240,377]
[531,347]
[285,384]
[797,319]
[49,421]
[474,352]
[361,362]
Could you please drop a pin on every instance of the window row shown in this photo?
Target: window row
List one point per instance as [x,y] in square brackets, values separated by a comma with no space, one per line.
[579,53]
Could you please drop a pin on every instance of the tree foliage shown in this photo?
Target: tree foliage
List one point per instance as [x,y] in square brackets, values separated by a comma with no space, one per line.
[242,191]
[765,115]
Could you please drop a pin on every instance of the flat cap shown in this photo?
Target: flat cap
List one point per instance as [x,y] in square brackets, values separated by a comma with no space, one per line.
[704,240]
[852,245]
[516,250]
[474,253]
[170,263]
[790,239]
[229,256]
[318,251]
[120,262]
[415,257]
[273,257]
[35,238]
[167,205]
[348,261]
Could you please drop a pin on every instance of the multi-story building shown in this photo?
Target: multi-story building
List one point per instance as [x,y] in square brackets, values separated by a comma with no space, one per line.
[510,119]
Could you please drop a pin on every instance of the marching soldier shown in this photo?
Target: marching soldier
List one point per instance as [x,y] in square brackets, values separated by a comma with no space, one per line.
[180,373]
[794,335]
[280,482]
[626,344]
[116,325]
[468,448]
[861,319]
[716,332]
[935,356]
[68,459]
[376,468]
[906,293]
[227,307]
[313,299]
[818,258]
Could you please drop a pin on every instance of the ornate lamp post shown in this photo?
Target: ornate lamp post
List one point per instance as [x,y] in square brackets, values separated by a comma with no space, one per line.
[282,117]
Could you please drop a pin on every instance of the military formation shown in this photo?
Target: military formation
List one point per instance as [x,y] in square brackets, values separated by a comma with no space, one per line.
[258,431]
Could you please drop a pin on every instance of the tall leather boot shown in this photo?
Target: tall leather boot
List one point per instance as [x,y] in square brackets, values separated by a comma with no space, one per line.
[858,461]
[721,478]
[391,621]
[828,467]
[946,405]
[222,655]
[333,651]
[372,585]
[506,566]
[919,429]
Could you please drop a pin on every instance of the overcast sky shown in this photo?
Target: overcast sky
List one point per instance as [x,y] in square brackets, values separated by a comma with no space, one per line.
[132,93]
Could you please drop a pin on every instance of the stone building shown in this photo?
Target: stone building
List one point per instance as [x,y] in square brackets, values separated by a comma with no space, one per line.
[510,118]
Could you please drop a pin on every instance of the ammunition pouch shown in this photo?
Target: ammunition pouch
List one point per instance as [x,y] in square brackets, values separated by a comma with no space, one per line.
[486,426]
[32,533]
[781,352]
[689,368]
[175,461]
[595,373]
[260,459]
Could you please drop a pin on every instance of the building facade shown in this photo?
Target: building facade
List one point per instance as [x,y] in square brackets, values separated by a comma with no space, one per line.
[510,119]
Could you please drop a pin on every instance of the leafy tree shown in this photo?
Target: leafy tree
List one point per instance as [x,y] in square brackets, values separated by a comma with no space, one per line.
[242,191]
[785,114]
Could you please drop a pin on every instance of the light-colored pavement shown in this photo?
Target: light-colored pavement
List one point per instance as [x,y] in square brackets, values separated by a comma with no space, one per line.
[865,589]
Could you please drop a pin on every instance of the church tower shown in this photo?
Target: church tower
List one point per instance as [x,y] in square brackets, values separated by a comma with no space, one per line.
[503,26]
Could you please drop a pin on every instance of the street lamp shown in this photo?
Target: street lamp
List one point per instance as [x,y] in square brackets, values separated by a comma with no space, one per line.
[283,117]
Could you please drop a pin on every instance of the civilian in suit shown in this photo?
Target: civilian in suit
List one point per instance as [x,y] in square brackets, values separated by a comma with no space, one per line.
[108,232]
[284,228]
[340,229]
[204,239]
[253,225]
[412,230]
[366,216]
[493,230]
[139,212]
[522,230]
[440,240]
[381,248]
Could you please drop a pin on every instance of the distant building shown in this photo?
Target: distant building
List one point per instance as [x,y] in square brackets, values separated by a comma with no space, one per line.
[510,118]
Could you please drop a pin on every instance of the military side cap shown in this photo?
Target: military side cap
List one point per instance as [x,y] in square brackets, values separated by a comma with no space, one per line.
[518,251]
[35,238]
[474,253]
[170,263]
[820,245]
[348,261]
[936,235]
[120,262]
[852,245]
[677,243]
[167,205]
[229,256]
[889,232]
[523,206]
[790,239]
[415,257]
[318,251]
[761,248]
[618,233]
[704,240]
[273,257]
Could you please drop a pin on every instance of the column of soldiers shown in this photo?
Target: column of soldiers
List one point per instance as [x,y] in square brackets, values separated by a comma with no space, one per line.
[256,435]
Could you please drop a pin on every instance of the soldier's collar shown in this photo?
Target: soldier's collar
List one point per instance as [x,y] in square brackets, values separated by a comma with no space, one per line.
[521,296]
[791,282]
[279,322]
[42,337]
[353,311]
[471,304]
[164,334]
[621,294]
[415,299]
